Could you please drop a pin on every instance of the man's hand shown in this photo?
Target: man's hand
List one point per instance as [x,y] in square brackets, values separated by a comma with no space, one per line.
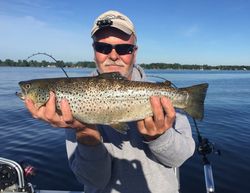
[85,133]
[163,118]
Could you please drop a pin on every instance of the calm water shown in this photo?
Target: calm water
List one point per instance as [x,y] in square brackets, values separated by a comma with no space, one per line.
[226,124]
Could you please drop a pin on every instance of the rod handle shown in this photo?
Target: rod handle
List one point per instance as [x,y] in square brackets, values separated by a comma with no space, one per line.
[209,180]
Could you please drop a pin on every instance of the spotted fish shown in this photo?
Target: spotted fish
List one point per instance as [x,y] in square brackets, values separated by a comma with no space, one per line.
[111,99]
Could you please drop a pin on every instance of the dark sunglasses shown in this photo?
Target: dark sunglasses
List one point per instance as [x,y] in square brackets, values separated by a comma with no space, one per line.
[120,49]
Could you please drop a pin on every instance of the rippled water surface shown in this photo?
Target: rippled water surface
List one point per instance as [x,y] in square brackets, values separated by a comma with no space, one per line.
[226,124]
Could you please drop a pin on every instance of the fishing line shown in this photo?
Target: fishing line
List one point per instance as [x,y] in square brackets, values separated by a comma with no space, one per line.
[197,131]
[57,62]
[166,80]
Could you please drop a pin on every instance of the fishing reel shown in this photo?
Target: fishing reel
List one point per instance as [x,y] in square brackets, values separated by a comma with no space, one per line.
[12,177]
[204,148]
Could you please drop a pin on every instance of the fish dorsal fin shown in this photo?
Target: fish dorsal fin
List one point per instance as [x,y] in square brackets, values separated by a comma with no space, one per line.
[112,75]
[167,82]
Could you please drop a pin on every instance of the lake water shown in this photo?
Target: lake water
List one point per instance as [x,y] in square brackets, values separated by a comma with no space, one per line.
[226,124]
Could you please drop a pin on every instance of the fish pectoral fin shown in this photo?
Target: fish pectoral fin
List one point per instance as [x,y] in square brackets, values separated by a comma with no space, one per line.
[38,105]
[112,75]
[120,127]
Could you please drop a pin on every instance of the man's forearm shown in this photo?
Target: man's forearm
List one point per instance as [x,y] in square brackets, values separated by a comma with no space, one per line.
[90,164]
[175,145]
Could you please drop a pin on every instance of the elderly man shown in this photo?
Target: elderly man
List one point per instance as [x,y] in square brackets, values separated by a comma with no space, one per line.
[106,161]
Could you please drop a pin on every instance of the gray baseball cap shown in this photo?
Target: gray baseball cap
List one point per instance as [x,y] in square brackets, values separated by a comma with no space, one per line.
[113,19]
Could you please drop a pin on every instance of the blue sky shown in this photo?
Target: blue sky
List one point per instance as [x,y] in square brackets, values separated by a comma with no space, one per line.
[213,32]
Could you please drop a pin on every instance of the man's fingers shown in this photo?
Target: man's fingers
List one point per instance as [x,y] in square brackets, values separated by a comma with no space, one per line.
[49,114]
[31,107]
[149,124]
[66,112]
[168,107]
[141,126]
[157,111]
[146,126]
[170,111]
[50,110]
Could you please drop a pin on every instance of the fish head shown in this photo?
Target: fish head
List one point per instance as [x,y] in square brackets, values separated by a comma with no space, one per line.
[36,90]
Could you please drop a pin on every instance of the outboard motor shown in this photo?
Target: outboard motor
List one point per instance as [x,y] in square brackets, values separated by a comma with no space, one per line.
[12,178]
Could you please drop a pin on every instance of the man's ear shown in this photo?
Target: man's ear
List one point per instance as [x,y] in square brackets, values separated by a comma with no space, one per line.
[134,54]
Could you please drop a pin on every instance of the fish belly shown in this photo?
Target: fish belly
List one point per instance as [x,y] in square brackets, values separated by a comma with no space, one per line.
[112,111]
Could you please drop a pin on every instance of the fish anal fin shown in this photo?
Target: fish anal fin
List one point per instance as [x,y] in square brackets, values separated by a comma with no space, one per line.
[120,127]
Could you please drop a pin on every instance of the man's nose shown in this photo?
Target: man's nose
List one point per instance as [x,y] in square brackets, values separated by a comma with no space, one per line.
[113,55]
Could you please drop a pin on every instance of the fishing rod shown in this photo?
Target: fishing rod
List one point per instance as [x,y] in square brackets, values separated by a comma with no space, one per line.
[45,54]
[205,147]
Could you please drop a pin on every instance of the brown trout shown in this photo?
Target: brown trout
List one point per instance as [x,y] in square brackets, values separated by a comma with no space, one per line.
[111,99]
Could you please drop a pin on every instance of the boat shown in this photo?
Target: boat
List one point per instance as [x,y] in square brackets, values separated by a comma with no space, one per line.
[12,179]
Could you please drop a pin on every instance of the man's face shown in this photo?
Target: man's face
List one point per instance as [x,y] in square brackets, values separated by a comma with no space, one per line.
[114,62]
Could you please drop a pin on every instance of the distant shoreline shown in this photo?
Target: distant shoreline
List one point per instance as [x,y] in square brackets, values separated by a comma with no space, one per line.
[91,64]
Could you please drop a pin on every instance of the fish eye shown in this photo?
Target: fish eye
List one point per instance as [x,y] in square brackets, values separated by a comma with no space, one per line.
[27,86]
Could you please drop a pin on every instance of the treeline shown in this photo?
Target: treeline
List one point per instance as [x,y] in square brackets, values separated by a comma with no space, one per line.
[89,64]
[43,63]
[178,66]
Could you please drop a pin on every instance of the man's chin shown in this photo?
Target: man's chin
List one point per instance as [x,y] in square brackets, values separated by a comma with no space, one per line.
[114,69]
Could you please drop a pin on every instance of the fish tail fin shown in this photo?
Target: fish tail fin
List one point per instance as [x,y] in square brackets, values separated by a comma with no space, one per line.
[195,104]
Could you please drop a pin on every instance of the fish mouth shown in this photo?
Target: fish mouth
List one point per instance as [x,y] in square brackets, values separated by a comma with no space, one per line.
[23,91]
[20,95]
